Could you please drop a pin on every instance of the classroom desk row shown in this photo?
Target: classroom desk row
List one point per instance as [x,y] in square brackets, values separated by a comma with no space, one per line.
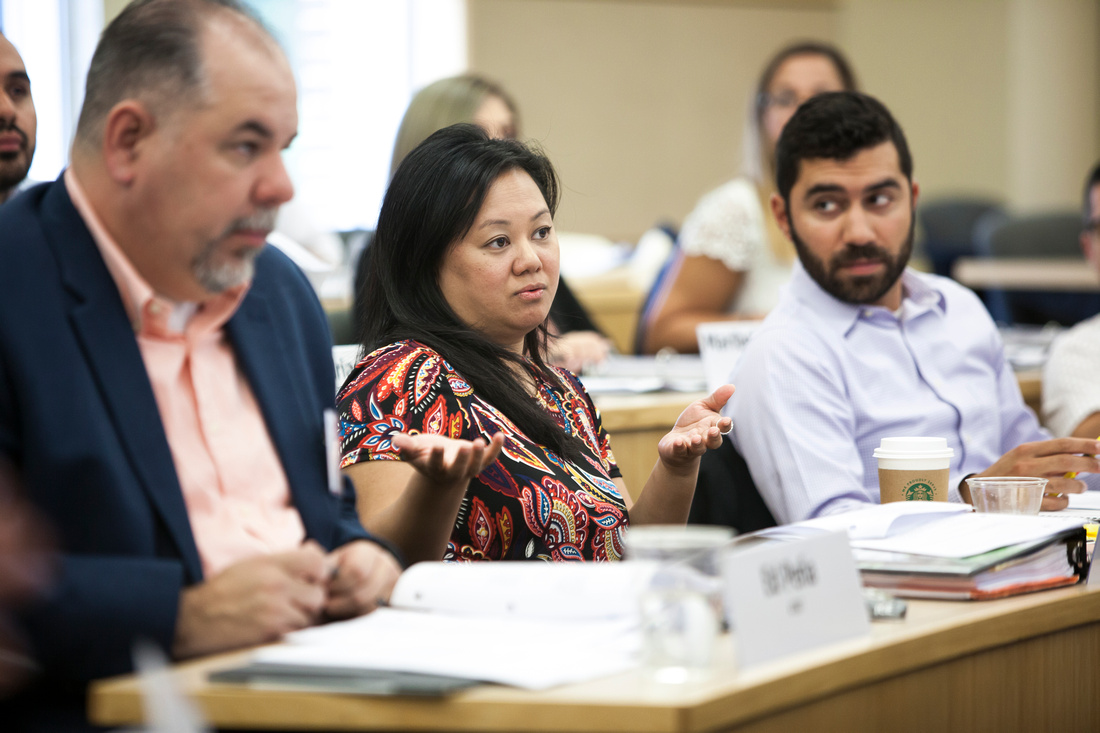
[1027,663]
[1073,275]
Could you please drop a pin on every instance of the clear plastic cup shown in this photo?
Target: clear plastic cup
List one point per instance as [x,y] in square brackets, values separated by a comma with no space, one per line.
[681,612]
[1007,494]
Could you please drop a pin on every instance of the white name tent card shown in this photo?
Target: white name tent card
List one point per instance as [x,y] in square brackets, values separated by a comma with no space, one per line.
[721,345]
[793,597]
[344,359]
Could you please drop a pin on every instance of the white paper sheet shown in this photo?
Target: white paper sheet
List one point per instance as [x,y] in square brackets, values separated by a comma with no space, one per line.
[965,535]
[554,591]
[618,373]
[876,521]
[1087,500]
[512,623]
[530,653]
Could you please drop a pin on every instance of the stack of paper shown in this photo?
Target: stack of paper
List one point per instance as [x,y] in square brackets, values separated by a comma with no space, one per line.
[678,373]
[512,623]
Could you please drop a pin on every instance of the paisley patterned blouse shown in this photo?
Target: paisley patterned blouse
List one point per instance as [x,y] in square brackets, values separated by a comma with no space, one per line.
[530,503]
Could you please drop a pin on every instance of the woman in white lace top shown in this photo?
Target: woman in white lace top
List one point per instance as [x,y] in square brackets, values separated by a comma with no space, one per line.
[732,258]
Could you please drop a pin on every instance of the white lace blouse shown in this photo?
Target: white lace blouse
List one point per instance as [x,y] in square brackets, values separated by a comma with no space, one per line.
[728,225]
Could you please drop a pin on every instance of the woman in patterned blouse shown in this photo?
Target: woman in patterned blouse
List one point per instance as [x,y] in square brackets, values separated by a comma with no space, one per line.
[513,460]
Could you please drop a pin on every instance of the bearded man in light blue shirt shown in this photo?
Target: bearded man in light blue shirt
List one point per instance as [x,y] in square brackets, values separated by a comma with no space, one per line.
[860,348]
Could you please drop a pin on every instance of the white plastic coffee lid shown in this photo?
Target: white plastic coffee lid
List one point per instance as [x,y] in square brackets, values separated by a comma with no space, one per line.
[913,448]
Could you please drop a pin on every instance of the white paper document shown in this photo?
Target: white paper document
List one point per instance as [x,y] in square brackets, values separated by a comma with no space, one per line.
[511,623]
[965,535]
[618,373]
[1087,500]
[600,384]
[530,653]
[525,589]
[876,521]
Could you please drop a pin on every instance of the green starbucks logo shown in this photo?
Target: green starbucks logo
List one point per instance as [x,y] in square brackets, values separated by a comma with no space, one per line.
[918,491]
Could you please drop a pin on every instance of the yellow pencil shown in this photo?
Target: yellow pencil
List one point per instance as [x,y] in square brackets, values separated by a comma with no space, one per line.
[1073,474]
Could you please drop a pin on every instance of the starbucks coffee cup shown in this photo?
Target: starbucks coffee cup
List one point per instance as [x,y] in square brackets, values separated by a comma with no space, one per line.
[913,469]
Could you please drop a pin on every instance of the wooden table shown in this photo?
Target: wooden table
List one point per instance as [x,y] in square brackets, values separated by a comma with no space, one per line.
[1061,274]
[635,423]
[614,302]
[1020,664]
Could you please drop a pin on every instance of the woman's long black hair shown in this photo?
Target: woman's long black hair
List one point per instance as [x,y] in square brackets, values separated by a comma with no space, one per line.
[432,201]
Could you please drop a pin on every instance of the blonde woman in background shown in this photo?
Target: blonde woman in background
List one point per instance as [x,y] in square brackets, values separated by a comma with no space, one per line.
[733,259]
[575,342]
[466,98]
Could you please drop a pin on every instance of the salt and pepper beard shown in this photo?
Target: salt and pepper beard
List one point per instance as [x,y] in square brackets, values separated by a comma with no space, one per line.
[218,270]
[863,289]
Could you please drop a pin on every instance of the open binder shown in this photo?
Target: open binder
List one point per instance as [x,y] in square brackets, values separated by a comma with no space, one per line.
[946,551]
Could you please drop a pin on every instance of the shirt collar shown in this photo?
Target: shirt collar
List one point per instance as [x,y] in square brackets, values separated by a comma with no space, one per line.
[919,295]
[149,312]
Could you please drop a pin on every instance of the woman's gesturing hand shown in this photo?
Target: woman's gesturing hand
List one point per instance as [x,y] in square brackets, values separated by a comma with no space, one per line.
[448,461]
[700,428]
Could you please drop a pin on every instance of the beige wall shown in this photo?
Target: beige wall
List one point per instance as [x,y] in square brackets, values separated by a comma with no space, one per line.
[111,8]
[1054,100]
[640,103]
[940,66]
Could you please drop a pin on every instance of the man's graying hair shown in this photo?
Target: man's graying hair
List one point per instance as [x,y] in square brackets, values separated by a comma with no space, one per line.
[150,51]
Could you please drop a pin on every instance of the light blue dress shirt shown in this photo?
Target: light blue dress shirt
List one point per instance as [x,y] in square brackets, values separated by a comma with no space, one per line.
[822,382]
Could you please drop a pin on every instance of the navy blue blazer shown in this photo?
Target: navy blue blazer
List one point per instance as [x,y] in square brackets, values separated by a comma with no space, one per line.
[79,420]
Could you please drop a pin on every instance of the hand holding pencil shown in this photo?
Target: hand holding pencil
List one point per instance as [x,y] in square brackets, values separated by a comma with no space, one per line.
[1058,460]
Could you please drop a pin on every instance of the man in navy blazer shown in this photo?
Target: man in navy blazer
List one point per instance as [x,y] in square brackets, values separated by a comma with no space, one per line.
[177,161]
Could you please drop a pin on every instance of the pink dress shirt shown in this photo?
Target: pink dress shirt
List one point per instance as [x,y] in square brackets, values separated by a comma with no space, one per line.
[234,486]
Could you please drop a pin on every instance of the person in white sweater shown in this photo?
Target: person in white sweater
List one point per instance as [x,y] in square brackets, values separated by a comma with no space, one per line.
[1071,392]
[733,259]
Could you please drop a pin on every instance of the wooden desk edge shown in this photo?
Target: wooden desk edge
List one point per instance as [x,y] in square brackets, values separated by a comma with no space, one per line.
[1056,274]
[979,632]
[656,410]
[744,697]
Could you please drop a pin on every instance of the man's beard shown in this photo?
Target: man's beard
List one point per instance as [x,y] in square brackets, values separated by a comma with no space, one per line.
[14,165]
[862,289]
[218,270]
